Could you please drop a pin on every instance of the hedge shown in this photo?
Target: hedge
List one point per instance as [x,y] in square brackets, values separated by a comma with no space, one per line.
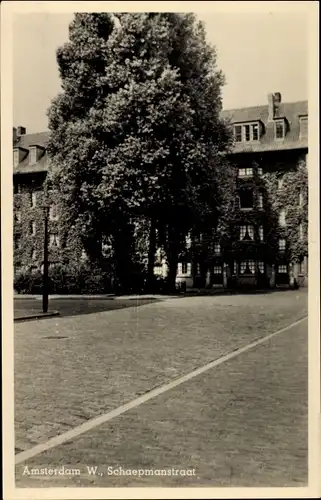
[65,280]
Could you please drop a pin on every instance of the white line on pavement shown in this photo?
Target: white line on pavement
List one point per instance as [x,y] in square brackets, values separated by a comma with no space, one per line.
[106,417]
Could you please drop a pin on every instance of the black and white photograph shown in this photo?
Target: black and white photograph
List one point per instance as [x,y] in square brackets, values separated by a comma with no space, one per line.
[160,218]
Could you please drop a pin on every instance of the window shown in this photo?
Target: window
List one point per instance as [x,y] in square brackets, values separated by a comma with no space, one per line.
[301,231]
[17,241]
[53,214]
[259,171]
[255,132]
[303,126]
[261,267]
[15,157]
[217,270]
[280,182]
[83,256]
[33,156]
[260,200]
[17,268]
[279,129]
[235,267]
[300,198]
[32,228]
[33,199]
[238,133]
[54,240]
[198,269]
[301,267]
[245,172]
[247,267]
[247,132]
[217,248]
[282,220]
[246,199]
[282,244]
[261,233]
[184,267]
[246,233]
[282,269]
[188,241]
[17,216]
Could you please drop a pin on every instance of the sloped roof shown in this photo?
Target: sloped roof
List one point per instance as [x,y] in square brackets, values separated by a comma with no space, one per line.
[291,111]
[25,141]
[37,139]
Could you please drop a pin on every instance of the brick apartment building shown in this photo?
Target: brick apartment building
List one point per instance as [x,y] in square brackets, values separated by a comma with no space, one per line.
[271,141]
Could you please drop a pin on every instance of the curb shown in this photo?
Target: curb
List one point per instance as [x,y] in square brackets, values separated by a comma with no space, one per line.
[69,297]
[36,316]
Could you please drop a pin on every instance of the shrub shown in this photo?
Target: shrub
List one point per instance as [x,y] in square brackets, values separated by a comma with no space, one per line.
[65,280]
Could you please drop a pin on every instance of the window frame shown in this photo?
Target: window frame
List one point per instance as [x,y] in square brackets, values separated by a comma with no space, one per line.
[33,199]
[248,172]
[246,132]
[304,119]
[250,264]
[32,227]
[217,248]
[248,229]
[276,124]
[282,221]
[32,155]
[56,236]
[281,268]
[281,246]
[16,157]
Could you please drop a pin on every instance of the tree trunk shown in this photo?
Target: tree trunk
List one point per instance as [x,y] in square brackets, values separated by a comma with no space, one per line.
[151,257]
[123,251]
[172,271]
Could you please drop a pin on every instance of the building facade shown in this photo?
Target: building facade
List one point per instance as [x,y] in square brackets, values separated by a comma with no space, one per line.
[268,236]
[267,245]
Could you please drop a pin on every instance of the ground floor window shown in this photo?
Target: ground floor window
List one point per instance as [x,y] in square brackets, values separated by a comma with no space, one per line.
[301,267]
[235,267]
[184,268]
[247,267]
[217,270]
[282,269]
[261,267]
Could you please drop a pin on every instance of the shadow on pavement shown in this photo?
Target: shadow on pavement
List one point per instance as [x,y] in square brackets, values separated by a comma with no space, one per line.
[72,307]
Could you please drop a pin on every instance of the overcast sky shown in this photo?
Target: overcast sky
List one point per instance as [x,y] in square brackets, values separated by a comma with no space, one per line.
[258,53]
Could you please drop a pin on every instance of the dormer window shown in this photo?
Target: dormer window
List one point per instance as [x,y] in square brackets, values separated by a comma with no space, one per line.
[33,155]
[247,132]
[279,129]
[303,126]
[19,155]
[15,157]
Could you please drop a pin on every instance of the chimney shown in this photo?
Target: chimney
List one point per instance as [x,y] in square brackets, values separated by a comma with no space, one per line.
[21,130]
[274,101]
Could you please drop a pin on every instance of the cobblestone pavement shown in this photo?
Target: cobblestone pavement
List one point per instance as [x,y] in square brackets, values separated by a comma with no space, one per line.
[243,423]
[68,370]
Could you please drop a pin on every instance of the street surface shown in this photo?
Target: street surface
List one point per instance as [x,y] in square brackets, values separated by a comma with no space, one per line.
[74,307]
[241,423]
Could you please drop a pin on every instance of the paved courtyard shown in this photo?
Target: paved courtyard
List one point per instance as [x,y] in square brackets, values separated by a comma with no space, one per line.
[241,423]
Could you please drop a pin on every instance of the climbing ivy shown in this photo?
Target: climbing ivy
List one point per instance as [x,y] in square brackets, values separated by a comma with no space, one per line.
[290,195]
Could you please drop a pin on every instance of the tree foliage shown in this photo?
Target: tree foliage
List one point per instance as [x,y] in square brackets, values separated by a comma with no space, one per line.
[136,134]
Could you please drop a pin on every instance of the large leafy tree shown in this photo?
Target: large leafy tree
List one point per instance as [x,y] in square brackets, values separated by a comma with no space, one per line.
[136,133]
